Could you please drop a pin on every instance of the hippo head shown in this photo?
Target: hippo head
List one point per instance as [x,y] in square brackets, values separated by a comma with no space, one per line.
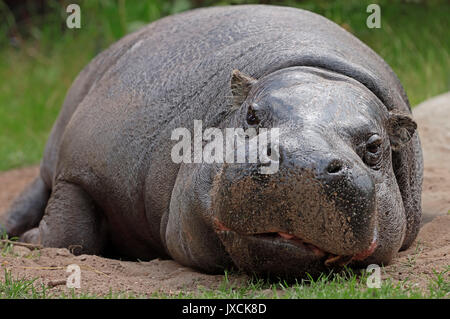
[334,199]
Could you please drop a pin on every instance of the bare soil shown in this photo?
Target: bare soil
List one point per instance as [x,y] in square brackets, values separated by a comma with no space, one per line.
[430,252]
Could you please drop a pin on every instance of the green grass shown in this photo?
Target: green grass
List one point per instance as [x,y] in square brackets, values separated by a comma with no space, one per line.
[37,71]
[11,288]
[345,285]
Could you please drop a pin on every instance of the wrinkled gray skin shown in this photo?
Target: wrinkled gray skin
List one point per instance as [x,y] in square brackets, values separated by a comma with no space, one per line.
[108,184]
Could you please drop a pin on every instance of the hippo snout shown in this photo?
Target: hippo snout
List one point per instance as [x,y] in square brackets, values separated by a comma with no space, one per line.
[347,199]
[322,207]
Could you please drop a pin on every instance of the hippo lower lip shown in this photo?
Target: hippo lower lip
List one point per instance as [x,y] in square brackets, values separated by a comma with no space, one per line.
[293,240]
[278,237]
[332,260]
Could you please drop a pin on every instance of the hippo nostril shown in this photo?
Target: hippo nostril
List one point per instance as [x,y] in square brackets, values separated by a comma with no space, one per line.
[335,166]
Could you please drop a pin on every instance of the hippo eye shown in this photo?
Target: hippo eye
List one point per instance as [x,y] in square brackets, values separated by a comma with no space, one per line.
[252,119]
[373,144]
[373,150]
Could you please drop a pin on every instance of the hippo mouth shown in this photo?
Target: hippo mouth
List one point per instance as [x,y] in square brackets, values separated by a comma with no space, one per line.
[284,239]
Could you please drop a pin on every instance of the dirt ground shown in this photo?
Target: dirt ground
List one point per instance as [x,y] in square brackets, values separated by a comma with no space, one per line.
[431,251]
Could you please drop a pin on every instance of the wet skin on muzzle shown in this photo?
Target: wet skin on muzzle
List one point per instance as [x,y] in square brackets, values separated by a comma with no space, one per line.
[348,185]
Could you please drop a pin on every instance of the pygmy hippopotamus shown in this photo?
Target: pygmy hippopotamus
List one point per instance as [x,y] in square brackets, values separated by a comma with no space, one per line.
[347,188]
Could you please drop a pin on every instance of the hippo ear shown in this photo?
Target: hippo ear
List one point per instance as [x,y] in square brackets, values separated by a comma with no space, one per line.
[401,128]
[240,86]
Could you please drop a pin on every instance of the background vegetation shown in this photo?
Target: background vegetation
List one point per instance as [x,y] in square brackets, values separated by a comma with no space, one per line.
[40,57]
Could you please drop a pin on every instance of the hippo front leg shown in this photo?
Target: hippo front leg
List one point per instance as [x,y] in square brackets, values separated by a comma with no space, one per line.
[71,220]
